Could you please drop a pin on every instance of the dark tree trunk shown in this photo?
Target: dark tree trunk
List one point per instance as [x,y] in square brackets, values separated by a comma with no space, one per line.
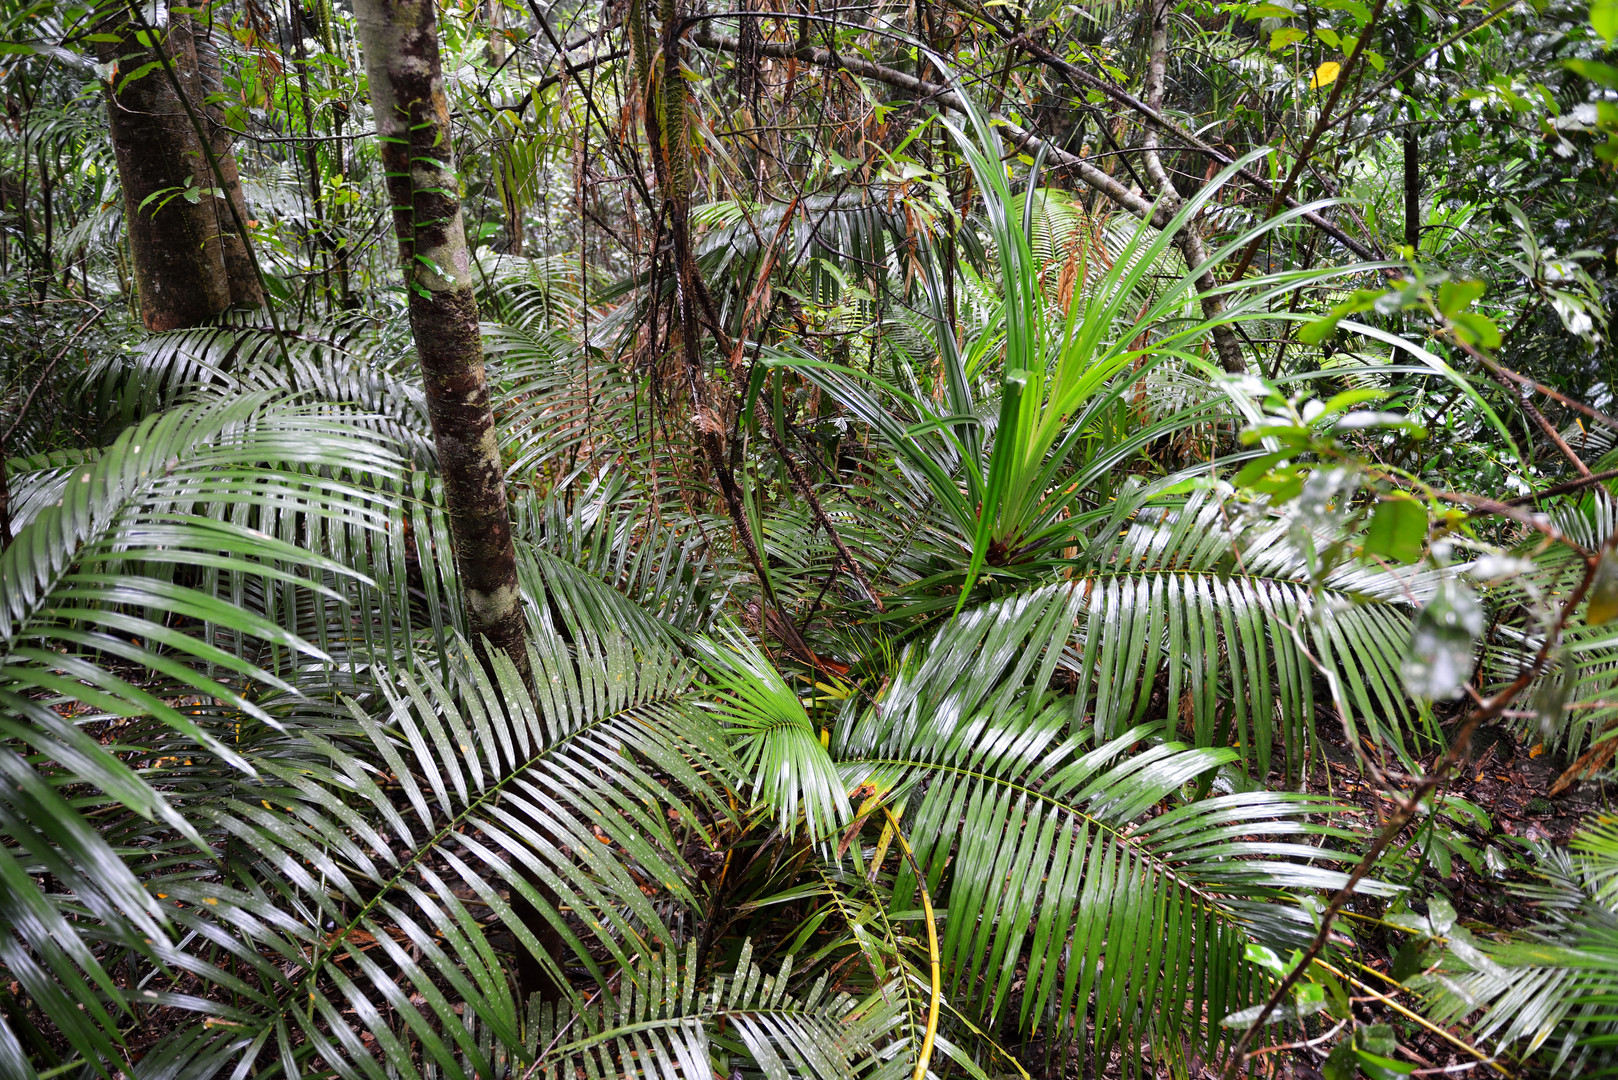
[1412,149]
[178,255]
[1410,33]
[400,38]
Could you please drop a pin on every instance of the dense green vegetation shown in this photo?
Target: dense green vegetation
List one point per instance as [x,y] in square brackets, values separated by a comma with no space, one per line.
[984,540]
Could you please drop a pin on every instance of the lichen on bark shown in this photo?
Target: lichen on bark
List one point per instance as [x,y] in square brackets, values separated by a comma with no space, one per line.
[400,41]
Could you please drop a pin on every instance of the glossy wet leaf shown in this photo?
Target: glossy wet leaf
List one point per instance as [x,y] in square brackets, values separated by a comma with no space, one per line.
[1602,606]
[1398,530]
[1442,643]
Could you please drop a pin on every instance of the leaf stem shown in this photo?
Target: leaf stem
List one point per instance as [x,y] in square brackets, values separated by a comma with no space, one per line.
[928,1036]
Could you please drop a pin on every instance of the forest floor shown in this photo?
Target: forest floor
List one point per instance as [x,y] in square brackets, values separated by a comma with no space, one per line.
[1474,859]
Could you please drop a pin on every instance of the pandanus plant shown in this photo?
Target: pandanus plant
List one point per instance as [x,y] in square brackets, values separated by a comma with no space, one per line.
[1014,460]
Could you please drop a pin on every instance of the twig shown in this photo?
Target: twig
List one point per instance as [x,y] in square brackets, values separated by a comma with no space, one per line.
[1304,1044]
[1410,1014]
[1308,146]
[1527,402]
[1081,77]
[1560,489]
[1485,710]
[1495,367]
[1387,83]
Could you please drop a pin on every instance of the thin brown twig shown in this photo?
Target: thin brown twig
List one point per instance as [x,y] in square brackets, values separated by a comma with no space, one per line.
[1485,710]
[1343,76]
[1559,489]
[1556,395]
[1527,402]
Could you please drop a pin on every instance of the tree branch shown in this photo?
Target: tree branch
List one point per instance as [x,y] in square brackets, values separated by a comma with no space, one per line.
[1157,214]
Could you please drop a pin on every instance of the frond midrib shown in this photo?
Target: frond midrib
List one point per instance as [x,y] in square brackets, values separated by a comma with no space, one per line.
[1277,578]
[698,1015]
[461,818]
[1118,834]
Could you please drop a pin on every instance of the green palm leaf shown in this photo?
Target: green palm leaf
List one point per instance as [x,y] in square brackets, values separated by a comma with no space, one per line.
[116,597]
[1032,838]
[1550,986]
[669,1025]
[392,880]
[1216,605]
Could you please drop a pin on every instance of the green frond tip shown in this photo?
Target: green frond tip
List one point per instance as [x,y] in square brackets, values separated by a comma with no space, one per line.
[776,741]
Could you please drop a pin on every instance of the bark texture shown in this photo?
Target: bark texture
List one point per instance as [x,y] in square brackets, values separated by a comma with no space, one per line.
[179,261]
[400,39]
[240,276]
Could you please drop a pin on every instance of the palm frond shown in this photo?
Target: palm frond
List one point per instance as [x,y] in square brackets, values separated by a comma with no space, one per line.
[113,607]
[1039,845]
[350,364]
[775,739]
[395,881]
[657,557]
[1576,700]
[665,1024]
[1215,605]
[1550,987]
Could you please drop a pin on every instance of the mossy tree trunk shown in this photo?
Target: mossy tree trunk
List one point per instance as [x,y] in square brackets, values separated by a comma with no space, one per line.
[176,240]
[240,274]
[400,40]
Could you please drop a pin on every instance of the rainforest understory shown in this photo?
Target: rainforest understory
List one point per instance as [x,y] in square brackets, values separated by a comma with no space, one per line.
[1039,538]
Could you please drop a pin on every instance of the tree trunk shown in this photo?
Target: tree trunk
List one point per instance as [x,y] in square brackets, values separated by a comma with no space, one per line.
[1189,241]
[1412,135]
[400,39]
[239,271]
[1412,154]
[179,261]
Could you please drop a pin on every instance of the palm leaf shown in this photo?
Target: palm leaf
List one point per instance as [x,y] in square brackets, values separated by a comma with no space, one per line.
[1032,838]
[107,614]
[1550,986]
[1215,605]
[390,884]
[666,1024]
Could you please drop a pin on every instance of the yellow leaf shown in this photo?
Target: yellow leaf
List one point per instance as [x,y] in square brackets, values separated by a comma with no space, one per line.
[1325,74]
[1603,603]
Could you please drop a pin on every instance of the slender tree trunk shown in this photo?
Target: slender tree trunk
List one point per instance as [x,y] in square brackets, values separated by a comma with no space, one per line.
[239,272]
[400,39]
[510,198]
[179,262]
[311,155]
[1412,153]
[46,190]
[1412,136]
[1189,240]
